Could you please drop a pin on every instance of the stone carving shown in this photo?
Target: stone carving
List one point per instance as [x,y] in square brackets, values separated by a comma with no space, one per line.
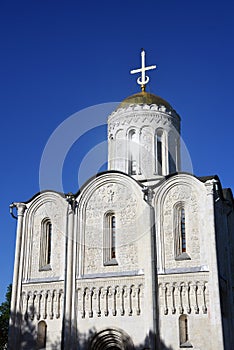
[180,193]
[119,199]
[128,214]
[109,193]
[112,196]
[153,120]
[138,115]
[117,298]
[185,195]
[143,107]
[55,212]
[147,139]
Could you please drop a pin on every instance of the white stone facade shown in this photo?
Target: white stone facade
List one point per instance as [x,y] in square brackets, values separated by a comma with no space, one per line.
[148,280]
[146,121]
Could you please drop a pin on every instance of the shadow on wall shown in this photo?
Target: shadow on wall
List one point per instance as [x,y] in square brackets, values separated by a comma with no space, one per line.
[25,335]
[29,337]
[101,341]
[22,334]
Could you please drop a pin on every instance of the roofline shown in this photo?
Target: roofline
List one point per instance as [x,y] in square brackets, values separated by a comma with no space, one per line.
[76,194]
[204,179]
[103,173]
[43,191]
[200,178]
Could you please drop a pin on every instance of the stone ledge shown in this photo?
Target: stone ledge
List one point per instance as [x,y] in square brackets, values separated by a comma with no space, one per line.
[178,270]
[111,262]
[183,256]
[112,274]
[186,345]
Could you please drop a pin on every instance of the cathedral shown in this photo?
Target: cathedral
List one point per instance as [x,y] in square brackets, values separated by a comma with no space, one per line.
[140,258]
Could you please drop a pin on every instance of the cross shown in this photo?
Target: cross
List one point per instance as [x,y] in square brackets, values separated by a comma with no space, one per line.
[143,80]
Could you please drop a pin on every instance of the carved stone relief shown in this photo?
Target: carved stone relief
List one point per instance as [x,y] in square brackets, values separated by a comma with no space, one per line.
[147,139]
[56,213]
[137,120]
[186,195]
[119,199]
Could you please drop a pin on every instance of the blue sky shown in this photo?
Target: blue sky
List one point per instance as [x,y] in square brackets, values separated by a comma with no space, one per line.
[58,57]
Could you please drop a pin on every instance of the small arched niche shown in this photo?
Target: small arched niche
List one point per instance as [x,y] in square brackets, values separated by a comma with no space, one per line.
[41,335]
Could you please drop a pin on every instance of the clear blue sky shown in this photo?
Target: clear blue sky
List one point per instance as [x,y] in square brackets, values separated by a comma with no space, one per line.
[58,57]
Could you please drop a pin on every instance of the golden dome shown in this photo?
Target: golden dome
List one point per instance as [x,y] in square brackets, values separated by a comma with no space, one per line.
[144,98]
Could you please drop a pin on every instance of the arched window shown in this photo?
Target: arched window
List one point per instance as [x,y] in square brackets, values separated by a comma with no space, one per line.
[109,246]
[183,332]
[159,152]
[45,244]
[41,335]
[133,151]
[180,232]
[113,236]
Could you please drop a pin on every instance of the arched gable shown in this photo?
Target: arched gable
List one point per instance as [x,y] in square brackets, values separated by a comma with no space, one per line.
[122,196]
[181,192]
[47,207]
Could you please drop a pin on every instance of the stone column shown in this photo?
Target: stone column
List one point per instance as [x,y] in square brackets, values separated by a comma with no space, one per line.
[15,317]
[69,275]
[151,284]
[215,316]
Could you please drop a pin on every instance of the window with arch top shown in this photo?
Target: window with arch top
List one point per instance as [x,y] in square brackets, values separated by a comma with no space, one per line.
[159,152]
[41,335]
[184,332]
[182,229]
[180,232]
[133,152]
[109,239]
[45,245]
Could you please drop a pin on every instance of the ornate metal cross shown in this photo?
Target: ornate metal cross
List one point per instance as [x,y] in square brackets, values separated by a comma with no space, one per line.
[144,79]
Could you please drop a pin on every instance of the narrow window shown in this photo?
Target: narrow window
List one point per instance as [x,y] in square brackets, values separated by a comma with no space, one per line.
[41,335]
[113,236]
[133,153]
[45,244]
[182,229]
[180,233]
[172,152]
[48,242]
[183,332]
[109,251]
[159,152]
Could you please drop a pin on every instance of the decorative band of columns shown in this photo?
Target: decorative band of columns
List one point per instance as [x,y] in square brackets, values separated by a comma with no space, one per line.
[188,297]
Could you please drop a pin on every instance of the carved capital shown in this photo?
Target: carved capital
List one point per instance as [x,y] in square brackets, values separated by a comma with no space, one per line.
[71,200]
[210,185]
[20,208]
